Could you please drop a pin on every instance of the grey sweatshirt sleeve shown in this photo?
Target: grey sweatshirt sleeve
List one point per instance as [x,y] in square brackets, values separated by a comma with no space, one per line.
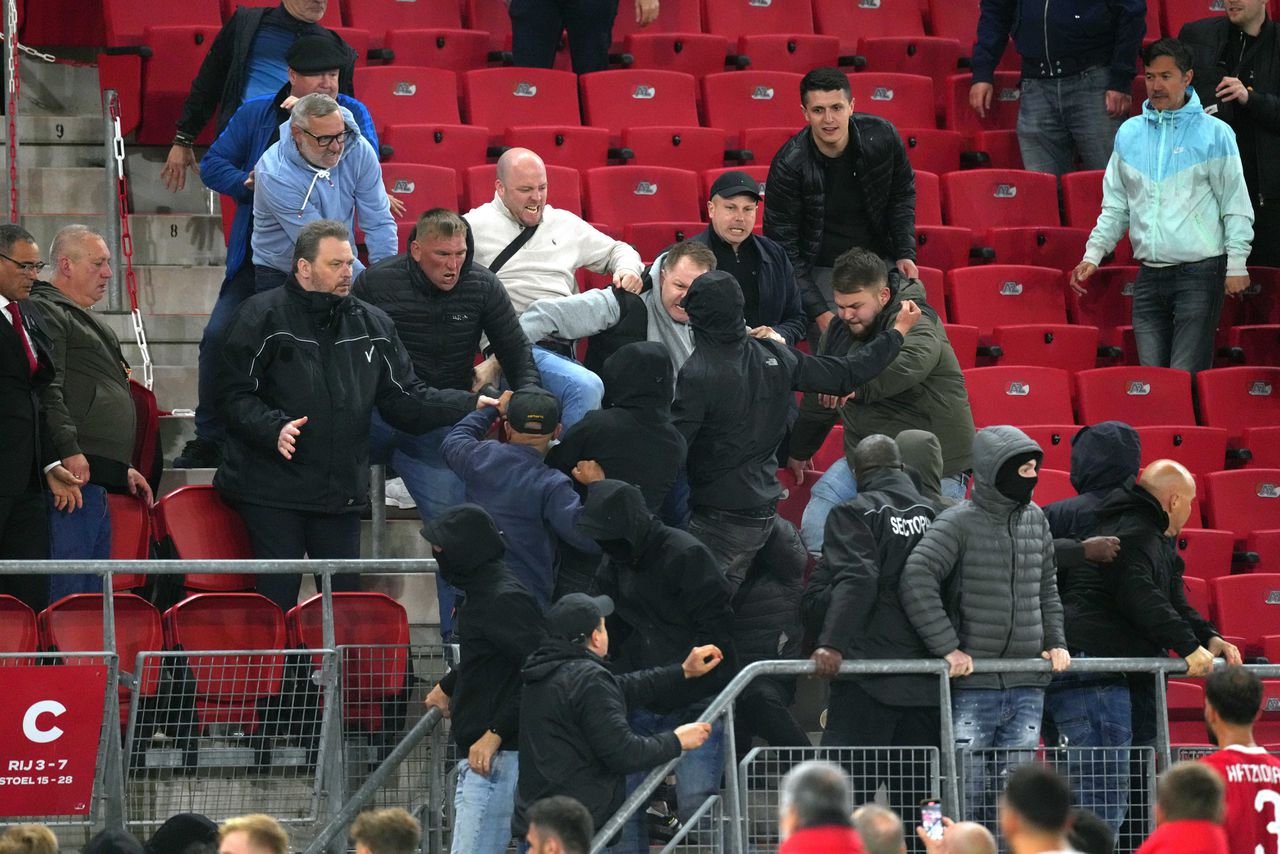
[570,318]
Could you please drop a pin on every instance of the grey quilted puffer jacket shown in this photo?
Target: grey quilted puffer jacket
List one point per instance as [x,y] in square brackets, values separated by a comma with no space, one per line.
[982,579]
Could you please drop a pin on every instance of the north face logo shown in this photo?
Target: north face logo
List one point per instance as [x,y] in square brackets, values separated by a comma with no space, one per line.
[1011,289]
[1268,490]
[646,188]
[525,90]
[1005,191]
[1126,290]
[762,93]
[402,186]
[1138,388]
[643,93]
[1260,389]
[405,88]
[882,93]
[1009,93]
[1017,389]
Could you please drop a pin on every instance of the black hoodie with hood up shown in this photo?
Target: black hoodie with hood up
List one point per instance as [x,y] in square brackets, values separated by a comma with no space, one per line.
[633,439]
[1103,458]
[668,591]
[733,396]
[498,626]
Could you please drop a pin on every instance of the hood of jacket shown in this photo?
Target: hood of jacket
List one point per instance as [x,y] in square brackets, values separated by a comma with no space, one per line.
[114,842]
[640,375]
[469,542]
[181,830]
[1104,456]
[554,653]
[921,450]
[1190,108]
[992,446]
[616,511]
[1132,508]
[714,305]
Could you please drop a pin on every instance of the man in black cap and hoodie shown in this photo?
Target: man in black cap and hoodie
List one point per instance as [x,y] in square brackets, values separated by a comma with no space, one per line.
[574,735]
[733,396]
[184,833]
[669,596]
[498,626]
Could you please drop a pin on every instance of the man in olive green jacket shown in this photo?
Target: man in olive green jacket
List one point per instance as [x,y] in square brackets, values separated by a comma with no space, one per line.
[88,406]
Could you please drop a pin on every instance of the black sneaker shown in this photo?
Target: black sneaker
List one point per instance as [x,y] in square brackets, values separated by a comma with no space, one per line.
[199,454]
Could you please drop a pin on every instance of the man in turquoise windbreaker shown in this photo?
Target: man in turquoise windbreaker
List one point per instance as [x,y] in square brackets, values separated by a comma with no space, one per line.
[1175,182]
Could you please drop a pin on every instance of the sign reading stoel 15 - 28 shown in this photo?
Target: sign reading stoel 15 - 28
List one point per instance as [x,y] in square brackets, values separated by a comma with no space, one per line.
[50,723]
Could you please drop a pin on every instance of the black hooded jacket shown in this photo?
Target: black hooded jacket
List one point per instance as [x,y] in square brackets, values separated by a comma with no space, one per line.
[733,396]
[442,329]
[852,601]
[498,625]
[574,736]
[1135,606]
[1103,458]
[634,439]
[668,591]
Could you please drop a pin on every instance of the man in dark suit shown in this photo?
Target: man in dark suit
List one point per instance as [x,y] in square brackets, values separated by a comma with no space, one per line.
[27,457]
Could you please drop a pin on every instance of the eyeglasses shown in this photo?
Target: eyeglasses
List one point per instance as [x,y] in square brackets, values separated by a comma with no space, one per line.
[328,139]
[25,266]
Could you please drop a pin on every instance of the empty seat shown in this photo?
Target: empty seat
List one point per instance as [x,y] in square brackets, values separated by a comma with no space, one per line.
[194,523]
[1249,608]
[695,148]
[1199,596]
[1000,146]
[904,99]
[1244,500]
[1082,198]
[955,19]
[493,17]
[943,246]
[1186,707]
[1138,396]
[854,21]
[130,535]
[619,195]
[638,98]
[694,53]
[765,142]
[1001,294]
[1246,401]
[1005,99]
[935,58]
[1205,552]
[501,98]
[933,280]
[964,343]
[928,199]
[1019,395]
[797,52]
[651,238]
[456,50]
[154,89]
[19,633]
[126,21]
[399,93]
[1200,449]
[1000,197]
[561,145]
[1055,440]
[1176,13]
[1256,345]
[1053,485]
[736,100]
[1262,299]
[1263,550]
[1108,304]
[421,188]
[678,16]
[1059,246]
[380,17]
[456,146]
[564,188]
[735,18]
[932,150]
[1054,345]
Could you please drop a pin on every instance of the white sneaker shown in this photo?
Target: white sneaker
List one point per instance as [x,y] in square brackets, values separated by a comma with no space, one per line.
[398,494]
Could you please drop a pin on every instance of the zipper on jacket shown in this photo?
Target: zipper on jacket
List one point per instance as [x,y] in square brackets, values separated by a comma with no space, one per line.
[1013,590]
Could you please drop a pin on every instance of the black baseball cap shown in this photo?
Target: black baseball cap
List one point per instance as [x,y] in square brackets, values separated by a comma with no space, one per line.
[734,183]
[574,616]
[533,410]
[316,53]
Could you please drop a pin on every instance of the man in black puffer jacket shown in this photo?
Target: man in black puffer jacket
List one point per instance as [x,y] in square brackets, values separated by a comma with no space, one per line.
[441,303]
[842,182]
[303,368]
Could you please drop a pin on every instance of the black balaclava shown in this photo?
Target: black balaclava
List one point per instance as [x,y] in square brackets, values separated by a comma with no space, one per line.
[1014,486]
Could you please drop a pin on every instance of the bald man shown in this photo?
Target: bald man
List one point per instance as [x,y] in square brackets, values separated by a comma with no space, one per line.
[535,250]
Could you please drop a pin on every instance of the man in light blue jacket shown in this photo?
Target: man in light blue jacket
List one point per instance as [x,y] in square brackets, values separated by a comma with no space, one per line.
[1176,183]
[322,168]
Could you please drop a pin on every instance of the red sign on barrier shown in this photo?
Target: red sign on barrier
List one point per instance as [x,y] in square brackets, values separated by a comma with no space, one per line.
[50,724]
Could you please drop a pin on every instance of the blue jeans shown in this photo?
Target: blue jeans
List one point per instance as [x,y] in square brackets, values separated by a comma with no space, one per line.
[1004,727]
[837,485]
[734,539]
[83,534]
[578,390]
[1175,313]
[235,290]
[434,487]
[483,805]
[1092,710]
[697,773]
[1059,117]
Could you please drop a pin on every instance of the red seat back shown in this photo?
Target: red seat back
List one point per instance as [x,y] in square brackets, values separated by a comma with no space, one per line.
[1003,114]
[1248,607]
[1002,294]
[1239,398]
[734,18]
[421,188]
[456,146]
[796,52]
[1200,449]
[964,343]
[904,99]
[695,148]
[1244,500]
[1019,395]
[501,98]
[1054,485]
[1199,596]
[619,195]
[736,100]
[694,53]
[855,21]
[932,150]
[380,17]
[128,20]
[638,98]
[19,633]
[652,238]
[231,622]
[1000,197]
[396,93]
[359,620]
[1082,197]
[1055,441]
[678,16]
[200,526]
[1053,345]
[1206,552]
[1138,396]
[456,50]
[1108,303]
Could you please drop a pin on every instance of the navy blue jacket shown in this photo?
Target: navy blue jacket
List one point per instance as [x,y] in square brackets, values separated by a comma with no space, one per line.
[228,162]
[1062,37]
[532,503]
[780,305]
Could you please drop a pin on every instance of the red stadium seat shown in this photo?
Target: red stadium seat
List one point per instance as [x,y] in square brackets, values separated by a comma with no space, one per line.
[399,93]
[154,89]
[1199,596]
[455,146]
[904,99]
[1001,147]
[1108,304]
[1155,28]
[1055,440]
[797,52]
[1264,546]
[1244,500]
[1040,245]
[1257,345]
[127,22]
[332,13]
[764,142]
[928,199]
[795,496]
[1249,608]
[964,343]
[130,536]
[620,195]
[678,16]
[1179,12]
[734,18]
[456,50]
[1003,114]
[1201,449]
[1019,395]
[736,100]
[855,21]
[1138,396]
[19,633]
[501,98]
[1053,345]
[935,58]
[931,150]
[1243,400]
[693,53]
[832,449]
[1262,298]
[493,17]
[1001,294]
[564,187]
[1054,485]
[1186,712]
[195,523]
[561,145]
[934,289]
[380,17]
[638,98]
[1082,198]
[1000,198]
[421,188]
[955,19]
[651,238]
[357,39]
[943,246]
[1206,553]
[695,148]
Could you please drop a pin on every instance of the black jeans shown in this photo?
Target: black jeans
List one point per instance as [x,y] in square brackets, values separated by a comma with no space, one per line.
[24,535]
[292,534]
[536,26]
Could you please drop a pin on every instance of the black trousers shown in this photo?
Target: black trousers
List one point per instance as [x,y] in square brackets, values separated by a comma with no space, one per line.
[24,535]
[764,710]
[536,26]
[291,535]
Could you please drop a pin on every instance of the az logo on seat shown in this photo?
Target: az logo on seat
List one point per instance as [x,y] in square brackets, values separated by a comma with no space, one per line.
[882,93]
[868,4]
[403,185]
[646,188]
[1138,388]
[1260,389]
[525,90]
[1011,289]
[1005,191]
[405,88]
[643,93]
[762,93]
[1268,490]
[1017,389]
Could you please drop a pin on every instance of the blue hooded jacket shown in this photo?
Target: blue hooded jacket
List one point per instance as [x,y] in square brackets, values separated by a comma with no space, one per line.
[289,193]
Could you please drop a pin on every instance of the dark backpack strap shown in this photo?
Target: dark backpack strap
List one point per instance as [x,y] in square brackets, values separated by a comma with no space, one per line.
[512,248]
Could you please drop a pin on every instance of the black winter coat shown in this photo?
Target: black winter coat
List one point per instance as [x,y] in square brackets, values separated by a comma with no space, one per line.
[442,329]
[290,353]
[499,625]
[852,600]
[796,210]
[780,304]
[574,736]
[733,396]
[668,591]
[220,82]
[1103,458]
[1135,606]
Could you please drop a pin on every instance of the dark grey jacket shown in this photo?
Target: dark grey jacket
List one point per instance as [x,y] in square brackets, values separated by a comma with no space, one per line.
[1006,604]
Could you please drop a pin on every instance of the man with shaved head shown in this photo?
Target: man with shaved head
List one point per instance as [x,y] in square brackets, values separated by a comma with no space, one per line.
[535,249]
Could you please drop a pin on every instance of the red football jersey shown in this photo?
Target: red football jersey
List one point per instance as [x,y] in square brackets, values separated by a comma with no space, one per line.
[1253,798]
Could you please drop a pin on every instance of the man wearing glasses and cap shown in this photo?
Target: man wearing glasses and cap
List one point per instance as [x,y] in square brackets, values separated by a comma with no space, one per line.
[322,168]
[574,735]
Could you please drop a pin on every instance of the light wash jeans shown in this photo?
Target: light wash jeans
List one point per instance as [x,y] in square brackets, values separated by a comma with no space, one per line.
[483,806]
[83,534]
[578,390]
[1002,729]
[1062,116]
